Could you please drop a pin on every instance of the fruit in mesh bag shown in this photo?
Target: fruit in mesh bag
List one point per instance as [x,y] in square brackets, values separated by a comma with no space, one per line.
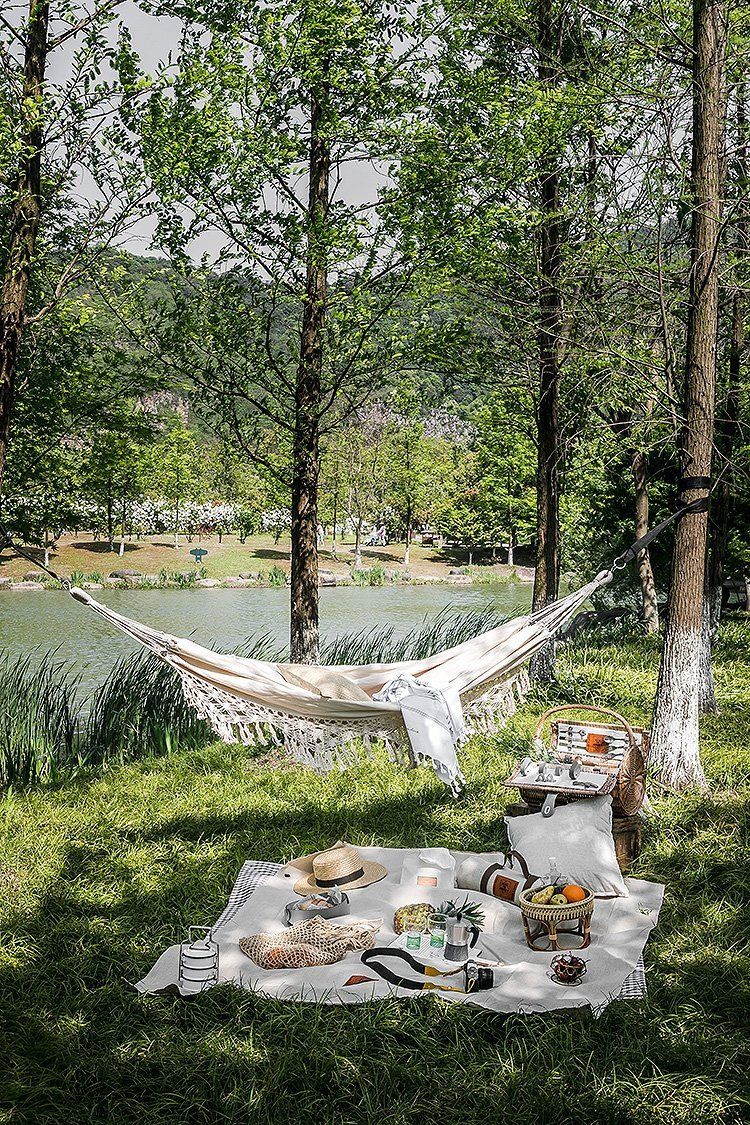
[291,957]
[415,914]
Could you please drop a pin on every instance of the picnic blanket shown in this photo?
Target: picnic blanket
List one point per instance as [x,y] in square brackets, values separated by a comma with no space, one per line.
[620,930]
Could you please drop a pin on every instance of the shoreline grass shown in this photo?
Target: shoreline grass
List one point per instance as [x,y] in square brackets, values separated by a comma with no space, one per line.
[100,872]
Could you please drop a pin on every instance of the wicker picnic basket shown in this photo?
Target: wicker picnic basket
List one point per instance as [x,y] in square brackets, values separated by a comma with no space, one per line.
[623,756]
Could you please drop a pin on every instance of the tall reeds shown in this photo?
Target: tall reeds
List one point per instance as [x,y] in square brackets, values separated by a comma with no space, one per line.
[49,729]
[39,735]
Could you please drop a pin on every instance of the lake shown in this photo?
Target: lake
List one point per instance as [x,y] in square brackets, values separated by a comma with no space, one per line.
[35,623]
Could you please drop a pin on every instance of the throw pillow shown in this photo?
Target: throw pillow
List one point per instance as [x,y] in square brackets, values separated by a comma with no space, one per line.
[324,681]
[579,837]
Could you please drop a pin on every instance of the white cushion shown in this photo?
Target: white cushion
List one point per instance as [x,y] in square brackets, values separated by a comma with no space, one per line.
[497,874]
[579,836]
[324,681]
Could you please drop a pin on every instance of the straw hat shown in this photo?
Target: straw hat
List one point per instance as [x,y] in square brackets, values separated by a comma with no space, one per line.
[340,867]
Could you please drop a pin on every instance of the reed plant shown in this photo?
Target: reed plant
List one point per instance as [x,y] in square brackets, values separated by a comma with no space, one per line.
[39,731]
[140,708]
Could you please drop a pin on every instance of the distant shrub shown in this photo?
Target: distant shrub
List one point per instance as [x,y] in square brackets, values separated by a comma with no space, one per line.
[370,576]
[276,576]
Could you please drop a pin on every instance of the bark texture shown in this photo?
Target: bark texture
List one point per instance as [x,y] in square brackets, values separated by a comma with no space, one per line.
[674,731]
[24,218]
[547,572]
[728,417]
[305,633]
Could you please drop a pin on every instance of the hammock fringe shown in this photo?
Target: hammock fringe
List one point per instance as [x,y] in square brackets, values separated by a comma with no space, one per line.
[324,746]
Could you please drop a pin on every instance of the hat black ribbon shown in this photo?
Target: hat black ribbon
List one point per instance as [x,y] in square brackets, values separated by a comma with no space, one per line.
[340,880]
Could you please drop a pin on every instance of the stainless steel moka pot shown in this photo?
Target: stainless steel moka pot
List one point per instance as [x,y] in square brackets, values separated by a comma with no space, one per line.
[459,938]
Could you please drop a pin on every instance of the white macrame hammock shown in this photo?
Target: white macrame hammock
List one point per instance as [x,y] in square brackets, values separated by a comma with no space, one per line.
[245,700]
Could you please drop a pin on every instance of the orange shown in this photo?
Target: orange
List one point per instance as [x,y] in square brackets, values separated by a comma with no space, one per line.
[574,893]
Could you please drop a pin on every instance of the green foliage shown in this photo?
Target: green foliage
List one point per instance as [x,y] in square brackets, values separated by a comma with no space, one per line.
[100,875]
[277,576]
[39,733]
[369,576]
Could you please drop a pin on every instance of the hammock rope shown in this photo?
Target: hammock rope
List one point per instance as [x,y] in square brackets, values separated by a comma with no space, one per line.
[246,700]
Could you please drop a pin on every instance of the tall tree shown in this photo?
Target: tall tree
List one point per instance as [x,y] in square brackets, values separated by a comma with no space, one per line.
[547,572]
[674,728]
[39,166]
[25,213]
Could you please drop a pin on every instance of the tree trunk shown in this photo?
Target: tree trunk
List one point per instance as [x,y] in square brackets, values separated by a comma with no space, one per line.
[674,732]
[407,549]
[110,518]
[123,515]
[357,550]
[24,217]
[547,573]
[176,525]
[335,520]
[728,418]
[305,634]
[645,571]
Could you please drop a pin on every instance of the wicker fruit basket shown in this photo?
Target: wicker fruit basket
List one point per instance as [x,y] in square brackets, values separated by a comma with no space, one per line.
[626,775]
[541,920]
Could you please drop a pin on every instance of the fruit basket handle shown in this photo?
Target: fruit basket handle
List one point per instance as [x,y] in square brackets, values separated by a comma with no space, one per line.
[586,707]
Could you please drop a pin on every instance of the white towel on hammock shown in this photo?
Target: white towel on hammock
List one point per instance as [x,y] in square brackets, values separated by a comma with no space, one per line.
[434,722]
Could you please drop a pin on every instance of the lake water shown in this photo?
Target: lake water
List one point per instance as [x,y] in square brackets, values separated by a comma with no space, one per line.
[35,623]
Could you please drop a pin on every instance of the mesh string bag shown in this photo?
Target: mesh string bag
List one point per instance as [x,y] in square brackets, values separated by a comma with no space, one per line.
[309,943]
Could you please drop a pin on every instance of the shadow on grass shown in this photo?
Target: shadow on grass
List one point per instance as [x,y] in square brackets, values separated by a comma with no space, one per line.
[81,1047]
[101,547]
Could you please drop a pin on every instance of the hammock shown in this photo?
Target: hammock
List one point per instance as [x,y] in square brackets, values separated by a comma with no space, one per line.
[245,700]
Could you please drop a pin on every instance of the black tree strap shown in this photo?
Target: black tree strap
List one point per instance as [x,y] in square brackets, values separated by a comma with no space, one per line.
[695,506]
[694,484]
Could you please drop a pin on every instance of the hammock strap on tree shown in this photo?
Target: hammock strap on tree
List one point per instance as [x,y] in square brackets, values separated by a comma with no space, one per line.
[695,506]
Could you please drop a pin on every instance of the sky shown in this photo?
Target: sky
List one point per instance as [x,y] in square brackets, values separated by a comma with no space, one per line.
[153,39]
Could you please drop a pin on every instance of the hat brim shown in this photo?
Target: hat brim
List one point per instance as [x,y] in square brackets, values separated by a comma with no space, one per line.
[372,873]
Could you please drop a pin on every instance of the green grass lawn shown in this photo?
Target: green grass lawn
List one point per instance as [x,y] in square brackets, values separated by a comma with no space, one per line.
[257,555]
[98,875]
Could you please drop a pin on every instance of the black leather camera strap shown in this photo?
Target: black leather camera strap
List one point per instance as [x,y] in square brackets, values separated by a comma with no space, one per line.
[371,957]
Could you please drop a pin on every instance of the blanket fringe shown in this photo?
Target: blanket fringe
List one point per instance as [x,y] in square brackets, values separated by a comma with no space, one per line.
[324,746]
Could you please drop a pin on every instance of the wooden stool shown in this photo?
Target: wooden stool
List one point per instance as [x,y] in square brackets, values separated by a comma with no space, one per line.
[548,931]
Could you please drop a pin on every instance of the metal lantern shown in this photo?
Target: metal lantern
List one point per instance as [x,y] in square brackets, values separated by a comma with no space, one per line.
[199,960]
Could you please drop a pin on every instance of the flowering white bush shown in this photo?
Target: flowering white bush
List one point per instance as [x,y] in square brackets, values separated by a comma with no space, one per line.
[277,521]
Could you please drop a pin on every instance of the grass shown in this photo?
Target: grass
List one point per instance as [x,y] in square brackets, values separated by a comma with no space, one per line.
[259,555]
[98,873]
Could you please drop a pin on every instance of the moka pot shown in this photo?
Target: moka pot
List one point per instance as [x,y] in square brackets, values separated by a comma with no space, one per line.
[459,938]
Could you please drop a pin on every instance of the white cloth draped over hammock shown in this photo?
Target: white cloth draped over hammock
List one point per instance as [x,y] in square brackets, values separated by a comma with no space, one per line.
[241,698]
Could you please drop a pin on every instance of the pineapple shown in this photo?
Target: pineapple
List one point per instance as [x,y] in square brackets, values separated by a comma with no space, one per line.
[415,914]
[469,912]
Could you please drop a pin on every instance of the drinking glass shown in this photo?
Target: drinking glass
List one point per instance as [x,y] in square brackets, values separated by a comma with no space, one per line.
[413,937]
[438,923]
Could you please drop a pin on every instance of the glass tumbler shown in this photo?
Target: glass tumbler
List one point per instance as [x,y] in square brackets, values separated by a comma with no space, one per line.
[438,923]
[413,937]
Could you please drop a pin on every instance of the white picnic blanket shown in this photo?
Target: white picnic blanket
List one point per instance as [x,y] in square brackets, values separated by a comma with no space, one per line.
[620,929]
